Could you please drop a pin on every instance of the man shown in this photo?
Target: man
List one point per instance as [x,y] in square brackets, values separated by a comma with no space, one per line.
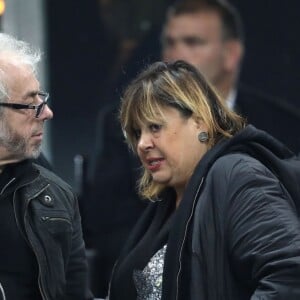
[42,253]
[209,35]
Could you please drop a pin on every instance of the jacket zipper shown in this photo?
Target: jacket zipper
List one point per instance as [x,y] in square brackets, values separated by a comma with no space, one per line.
[43,294]
[184,237]
[111,277]
[2,292]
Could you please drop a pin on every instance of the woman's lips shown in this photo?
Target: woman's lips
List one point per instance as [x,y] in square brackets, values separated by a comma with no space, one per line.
[154,164]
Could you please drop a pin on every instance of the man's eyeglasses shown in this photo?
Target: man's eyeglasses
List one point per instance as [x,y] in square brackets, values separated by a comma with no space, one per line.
[38,108]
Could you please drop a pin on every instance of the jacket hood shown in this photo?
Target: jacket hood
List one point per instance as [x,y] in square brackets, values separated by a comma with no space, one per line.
[273,154]
[251,137]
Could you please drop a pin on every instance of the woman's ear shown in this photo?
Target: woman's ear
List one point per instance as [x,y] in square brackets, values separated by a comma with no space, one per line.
[199,123]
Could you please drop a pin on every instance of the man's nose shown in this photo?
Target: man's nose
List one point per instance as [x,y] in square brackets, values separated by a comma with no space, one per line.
[47,113]
[175,52]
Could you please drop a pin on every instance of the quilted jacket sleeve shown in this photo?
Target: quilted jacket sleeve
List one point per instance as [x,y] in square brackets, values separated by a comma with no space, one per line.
[264,233]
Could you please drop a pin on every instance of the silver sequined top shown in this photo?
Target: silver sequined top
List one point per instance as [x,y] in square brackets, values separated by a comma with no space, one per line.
[148,282]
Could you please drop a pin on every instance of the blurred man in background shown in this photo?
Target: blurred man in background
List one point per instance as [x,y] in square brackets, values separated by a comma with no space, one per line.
[209,34]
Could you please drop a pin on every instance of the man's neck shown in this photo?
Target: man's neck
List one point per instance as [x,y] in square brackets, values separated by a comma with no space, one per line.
[224,90]
[231,99]
[226,85]
[6,158]
[4,163]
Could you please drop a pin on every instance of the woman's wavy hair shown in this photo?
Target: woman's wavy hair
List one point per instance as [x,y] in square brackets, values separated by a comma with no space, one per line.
[182,86]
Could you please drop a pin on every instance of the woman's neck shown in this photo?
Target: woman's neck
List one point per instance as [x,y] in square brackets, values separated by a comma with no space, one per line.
[179,194]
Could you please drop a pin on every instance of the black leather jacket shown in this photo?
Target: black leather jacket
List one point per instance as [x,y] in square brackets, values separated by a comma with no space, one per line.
[47,215]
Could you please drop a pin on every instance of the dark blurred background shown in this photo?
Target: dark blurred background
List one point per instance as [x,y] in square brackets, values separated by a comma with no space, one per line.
[96,46]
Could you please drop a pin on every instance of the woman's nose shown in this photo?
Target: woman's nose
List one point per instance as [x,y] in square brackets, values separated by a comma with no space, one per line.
[145,142]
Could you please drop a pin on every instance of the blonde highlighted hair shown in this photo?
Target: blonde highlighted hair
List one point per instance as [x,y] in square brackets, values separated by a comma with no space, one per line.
[181,86]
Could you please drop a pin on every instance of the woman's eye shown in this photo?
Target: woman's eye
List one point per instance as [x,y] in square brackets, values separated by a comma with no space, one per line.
[155,127]
[137,133]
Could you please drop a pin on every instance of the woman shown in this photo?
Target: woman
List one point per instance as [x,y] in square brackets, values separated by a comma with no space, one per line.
[220,225]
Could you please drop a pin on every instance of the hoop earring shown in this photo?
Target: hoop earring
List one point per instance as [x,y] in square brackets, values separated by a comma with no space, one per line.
[203,137]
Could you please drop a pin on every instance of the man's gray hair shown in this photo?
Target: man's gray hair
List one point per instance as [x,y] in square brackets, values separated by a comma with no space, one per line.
[16,52]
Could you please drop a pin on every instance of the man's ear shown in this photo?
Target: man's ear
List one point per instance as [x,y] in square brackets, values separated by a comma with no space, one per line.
[234,51]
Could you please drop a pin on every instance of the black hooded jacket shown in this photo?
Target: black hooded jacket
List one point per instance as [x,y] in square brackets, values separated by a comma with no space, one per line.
[236,232]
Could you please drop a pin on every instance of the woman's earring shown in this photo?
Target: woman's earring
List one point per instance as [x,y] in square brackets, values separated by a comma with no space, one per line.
[203,137]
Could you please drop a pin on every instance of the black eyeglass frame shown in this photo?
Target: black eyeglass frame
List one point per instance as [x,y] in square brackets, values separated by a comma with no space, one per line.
[38,108]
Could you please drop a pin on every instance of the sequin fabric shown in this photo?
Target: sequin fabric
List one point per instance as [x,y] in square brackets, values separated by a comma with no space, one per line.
[148,282]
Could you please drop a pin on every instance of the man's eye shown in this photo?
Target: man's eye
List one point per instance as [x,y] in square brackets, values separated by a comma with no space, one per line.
[193,41]
[168,42]
[155,127]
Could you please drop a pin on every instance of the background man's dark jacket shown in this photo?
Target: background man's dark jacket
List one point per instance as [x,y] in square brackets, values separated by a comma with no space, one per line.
[276,116]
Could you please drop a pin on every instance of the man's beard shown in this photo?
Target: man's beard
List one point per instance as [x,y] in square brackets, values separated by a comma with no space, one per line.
[15,144]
